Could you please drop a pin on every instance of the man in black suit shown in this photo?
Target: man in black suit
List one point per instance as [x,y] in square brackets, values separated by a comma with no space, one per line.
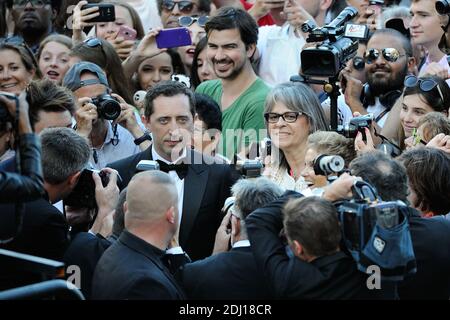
[430,237]
[202,185]
[319,269]
[44,231]
[132,268]
[232,274]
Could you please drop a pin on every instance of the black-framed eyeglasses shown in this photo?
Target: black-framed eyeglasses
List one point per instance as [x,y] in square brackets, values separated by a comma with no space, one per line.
[183,6]
[38,4]
[186,21]
[426,85]
[389,54]
[358,63]
[18,41]
[272,117]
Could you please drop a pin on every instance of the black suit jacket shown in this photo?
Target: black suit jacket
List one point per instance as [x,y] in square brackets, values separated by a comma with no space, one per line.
[206,187]
[133,269]
[44,234]
[224,276]
[329,277]
[431,242]
[84,251]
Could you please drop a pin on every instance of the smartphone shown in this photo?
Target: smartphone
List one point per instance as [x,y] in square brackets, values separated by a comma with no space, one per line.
[171,38]
[127,33]
[83,195]
[106,11]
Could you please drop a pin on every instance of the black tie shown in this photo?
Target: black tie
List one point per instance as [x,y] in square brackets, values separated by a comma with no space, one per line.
[181,168]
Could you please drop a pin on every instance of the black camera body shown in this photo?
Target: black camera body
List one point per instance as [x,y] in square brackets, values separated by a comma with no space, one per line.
[107,107]
[83,195]
[249,168]
[328,58]
[5,116]
[357,124]
[443,6]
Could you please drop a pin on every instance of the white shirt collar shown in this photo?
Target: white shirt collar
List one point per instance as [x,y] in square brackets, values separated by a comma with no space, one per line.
[156,156]
[242,244]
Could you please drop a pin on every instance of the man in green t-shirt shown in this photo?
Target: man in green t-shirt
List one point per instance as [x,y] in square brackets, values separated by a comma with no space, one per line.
[232,36]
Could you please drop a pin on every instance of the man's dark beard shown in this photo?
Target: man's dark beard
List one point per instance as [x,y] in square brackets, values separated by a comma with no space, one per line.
[234,74]
[379,87]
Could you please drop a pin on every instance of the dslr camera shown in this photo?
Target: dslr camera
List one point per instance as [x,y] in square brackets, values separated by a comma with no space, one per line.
[357,124]
[249,168]
[325,165]
[339,44]
[443,6]
[107,107]
[5,116]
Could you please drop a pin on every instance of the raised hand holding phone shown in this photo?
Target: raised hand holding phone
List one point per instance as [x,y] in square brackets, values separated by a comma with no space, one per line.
[171,38]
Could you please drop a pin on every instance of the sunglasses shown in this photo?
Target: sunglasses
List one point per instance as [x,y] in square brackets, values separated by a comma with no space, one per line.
[18,42]
[183,6]
[426,85]
[389,54]
[93,42]
[38,4]
[186,21]
[417,139]
[290,117]
[358,63]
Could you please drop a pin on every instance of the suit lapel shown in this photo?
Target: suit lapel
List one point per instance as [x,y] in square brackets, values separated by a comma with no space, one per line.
[194,188]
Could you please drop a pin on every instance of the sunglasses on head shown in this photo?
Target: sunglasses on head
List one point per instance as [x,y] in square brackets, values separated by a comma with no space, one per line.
[389,54]
[19,4]
[425,85]
[183,6]
[18,42]
[93,42]
[186,21]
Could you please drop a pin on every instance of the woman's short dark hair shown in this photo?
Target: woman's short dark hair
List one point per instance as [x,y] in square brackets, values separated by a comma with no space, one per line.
[428,172]
[106,57]
[208,111]
[201,45]
[432,97]
[227,18]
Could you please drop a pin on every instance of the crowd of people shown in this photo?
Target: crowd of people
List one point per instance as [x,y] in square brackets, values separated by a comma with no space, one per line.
[130,160]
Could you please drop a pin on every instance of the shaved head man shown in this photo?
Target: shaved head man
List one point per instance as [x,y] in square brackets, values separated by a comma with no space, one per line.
[151,211]
[132,267]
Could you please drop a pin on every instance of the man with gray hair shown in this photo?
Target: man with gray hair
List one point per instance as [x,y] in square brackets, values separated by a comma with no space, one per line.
[132,267]
[232,274]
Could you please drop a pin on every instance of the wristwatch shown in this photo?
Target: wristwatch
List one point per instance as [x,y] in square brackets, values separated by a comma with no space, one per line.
[144,137]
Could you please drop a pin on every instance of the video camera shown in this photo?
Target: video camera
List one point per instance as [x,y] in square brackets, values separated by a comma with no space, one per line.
[249,168]
[377,232]
[107,107]
[339,45]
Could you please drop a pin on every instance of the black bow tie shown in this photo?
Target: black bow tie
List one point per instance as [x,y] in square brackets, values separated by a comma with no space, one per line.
[181,168]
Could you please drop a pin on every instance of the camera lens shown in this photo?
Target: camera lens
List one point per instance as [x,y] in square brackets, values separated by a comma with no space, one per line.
[111,110]
[443,6]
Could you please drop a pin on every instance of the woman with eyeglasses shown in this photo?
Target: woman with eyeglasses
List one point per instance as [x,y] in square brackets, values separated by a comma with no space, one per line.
[102,53]
[196,27]
[53,57]
[17,66]
[201,69]
[421,96]
[125,16]
[292,112]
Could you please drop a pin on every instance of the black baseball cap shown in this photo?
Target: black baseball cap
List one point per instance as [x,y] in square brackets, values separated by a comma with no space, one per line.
[72,79]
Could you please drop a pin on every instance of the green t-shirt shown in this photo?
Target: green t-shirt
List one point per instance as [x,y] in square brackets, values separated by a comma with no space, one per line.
[243,120]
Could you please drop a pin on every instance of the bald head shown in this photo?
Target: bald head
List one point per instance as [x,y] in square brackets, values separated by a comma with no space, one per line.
[150,194]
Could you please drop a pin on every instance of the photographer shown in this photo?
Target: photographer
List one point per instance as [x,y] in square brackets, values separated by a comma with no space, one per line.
[110,141]
[388,59]
[29,185]
[205,279]
[319,269]
[430,237]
